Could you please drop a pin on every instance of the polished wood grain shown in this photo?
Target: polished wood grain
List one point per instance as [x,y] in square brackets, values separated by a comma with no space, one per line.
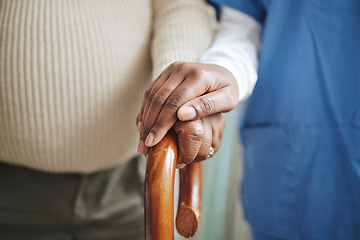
[159,189]
[159,193]
[188,215]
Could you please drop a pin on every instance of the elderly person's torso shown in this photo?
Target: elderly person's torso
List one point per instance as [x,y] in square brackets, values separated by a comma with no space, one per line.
[72,75]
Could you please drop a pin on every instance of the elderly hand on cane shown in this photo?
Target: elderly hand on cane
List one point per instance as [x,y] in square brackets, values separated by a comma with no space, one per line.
[188,97]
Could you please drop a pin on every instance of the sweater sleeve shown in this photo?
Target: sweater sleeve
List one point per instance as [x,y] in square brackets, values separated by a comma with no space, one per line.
[182,30]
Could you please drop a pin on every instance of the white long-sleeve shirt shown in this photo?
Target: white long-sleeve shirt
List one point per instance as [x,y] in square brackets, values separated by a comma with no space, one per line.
[236,48]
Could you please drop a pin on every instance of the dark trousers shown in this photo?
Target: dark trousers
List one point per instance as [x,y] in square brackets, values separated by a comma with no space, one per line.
[41,206]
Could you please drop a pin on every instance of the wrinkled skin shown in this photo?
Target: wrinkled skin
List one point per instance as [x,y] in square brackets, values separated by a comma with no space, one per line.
[188,97]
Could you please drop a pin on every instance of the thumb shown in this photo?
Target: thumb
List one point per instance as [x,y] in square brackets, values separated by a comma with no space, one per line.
[218,101]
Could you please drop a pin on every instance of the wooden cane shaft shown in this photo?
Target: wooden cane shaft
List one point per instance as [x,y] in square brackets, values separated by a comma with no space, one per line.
[159,189]
[188,215]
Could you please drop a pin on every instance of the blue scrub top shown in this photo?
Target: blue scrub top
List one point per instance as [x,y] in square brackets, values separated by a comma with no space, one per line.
[301,126]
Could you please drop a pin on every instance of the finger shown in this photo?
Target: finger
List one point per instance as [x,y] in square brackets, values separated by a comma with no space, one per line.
[218,127]
[189,136]
[192,86]
[146,95]
[159,93]
[219,101]
[163,112]
[160,100]
[172,69]
[139,126]
[143,131]
[142,149]
[149,94]
[206,141]
[214,126]
[141,113]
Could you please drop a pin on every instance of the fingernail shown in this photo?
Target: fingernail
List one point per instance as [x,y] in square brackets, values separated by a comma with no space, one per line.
[149,140]
[139,126]
[187,113]
[180,165]
[142,149]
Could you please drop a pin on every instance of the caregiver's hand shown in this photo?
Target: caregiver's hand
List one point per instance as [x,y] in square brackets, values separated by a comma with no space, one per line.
[185,91]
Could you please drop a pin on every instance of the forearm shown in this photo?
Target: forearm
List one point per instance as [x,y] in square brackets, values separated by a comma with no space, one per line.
[189,91]
[236,48]
[182,31]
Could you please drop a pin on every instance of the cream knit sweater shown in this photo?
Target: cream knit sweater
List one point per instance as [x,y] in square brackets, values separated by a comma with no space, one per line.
[73,74]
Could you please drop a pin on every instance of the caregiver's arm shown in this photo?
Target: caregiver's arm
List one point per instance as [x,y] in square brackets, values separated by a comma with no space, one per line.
[190,91]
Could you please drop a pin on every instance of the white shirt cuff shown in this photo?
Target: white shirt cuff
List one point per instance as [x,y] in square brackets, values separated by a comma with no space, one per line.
[236,48]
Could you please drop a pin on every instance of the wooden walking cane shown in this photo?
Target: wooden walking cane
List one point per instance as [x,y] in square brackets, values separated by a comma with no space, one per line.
[159,193]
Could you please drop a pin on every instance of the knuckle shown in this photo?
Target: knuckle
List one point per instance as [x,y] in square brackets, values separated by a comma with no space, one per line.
[173,102]
[195,137]
[147,92]
[181,66]
[192,132]
[151,97]
[196,130]
[207,105]
[158,100]
[174,65]
[198,73]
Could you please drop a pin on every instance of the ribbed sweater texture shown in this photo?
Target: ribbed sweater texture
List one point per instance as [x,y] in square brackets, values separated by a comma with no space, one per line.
[73,74]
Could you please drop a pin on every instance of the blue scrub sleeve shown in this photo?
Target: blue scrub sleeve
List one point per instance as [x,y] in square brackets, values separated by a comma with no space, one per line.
[254,8]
